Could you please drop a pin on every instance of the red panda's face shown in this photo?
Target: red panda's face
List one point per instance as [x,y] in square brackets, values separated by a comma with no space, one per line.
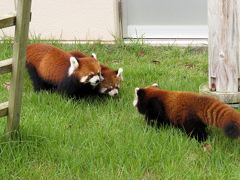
[86,70]
[111,82]
[142,96]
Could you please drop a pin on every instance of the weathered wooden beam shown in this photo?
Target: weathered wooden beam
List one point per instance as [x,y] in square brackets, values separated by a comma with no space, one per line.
[7,21]
[3,109]
[5,66]
[19,56]
[223,43]
[224,51]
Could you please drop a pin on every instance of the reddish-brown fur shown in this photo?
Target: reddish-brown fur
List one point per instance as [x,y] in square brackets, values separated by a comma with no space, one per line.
[179,107]
[77,54]
[110,78]
[52,63]
[210,110]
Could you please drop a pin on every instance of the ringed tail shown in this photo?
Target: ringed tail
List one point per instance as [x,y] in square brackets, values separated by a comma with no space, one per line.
[223,116]
[232,129]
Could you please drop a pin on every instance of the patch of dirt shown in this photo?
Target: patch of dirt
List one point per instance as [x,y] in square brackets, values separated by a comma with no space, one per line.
[155,61]
[189,66]
[207,147]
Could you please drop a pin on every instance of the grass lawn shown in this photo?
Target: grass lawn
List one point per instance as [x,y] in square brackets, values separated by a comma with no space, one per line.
[106,138]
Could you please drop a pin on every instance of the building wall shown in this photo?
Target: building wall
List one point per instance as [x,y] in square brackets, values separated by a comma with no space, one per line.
[165,19]
[69,19]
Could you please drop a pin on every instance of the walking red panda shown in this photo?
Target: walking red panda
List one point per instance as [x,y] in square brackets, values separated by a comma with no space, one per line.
[111,78]
[51,68]
[188,111]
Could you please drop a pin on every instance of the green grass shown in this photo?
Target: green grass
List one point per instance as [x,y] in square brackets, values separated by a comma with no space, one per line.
[106,138]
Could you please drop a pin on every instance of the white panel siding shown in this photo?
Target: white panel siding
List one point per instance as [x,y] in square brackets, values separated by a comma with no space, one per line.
[165,18]
[148,31]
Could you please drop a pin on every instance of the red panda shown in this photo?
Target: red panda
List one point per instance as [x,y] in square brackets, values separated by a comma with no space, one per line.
[51,68]
[188,111]
[111,78]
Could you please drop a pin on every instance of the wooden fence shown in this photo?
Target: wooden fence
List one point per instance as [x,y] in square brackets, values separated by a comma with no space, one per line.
[12,108]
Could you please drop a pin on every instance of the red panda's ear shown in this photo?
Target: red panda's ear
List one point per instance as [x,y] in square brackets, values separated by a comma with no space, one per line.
[94,55]
[119,73]
[73,65]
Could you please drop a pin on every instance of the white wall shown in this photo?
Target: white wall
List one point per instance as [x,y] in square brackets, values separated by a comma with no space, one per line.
[165,18]
[69,19]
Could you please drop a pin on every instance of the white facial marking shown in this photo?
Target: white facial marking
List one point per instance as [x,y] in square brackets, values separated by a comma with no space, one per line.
[94,80]
[155,84]
[94,55]
[113,92]
[73,65]
[83,79]
[102,90]
[119,74]
[101,78]
[135,101]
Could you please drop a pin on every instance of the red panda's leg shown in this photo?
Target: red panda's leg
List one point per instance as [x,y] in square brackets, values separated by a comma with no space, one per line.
[155,114]
[38,82]
[68,87]
[71,87]
[195,128]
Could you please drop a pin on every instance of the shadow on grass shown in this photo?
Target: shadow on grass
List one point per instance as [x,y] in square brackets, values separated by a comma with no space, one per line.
[216,139]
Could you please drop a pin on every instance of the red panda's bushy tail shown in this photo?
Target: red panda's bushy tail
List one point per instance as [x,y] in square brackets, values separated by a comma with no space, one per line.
[232,129]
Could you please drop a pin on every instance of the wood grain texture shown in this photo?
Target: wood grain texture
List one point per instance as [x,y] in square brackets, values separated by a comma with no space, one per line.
[223,43]
[19,56]
[5,66]
[7,21]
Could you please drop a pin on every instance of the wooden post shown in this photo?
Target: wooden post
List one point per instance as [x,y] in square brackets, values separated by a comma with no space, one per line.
[224,50]
[19,53]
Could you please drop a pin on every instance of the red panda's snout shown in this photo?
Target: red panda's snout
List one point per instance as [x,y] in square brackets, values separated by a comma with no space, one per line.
[92,79]
[111,83]
[87,70]
[110,91]
[113,92]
